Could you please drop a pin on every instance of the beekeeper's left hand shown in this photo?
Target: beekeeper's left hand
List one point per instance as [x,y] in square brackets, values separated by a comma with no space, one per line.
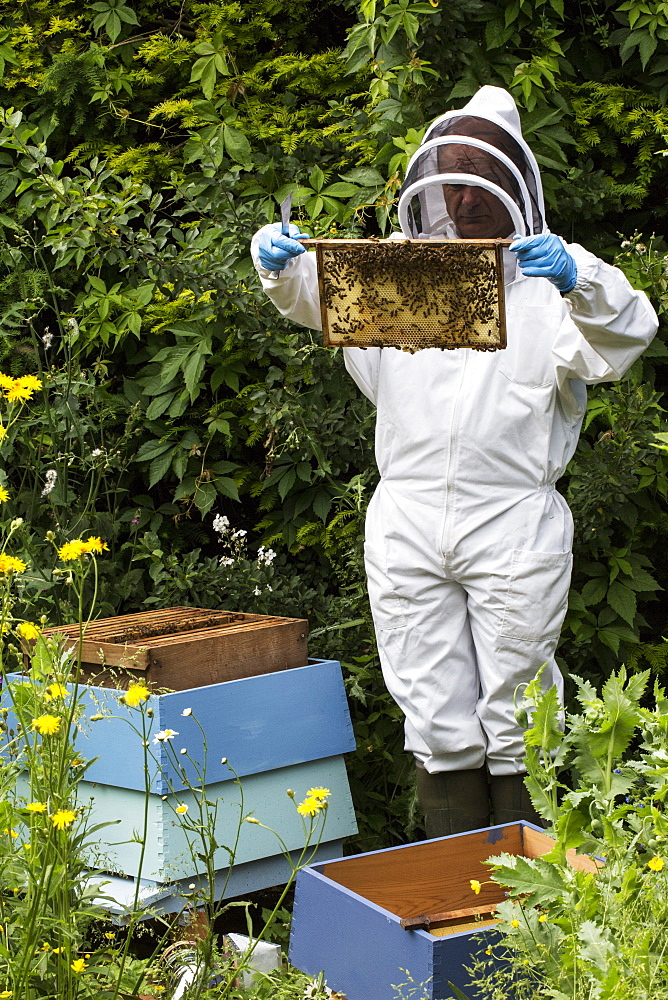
[545,256]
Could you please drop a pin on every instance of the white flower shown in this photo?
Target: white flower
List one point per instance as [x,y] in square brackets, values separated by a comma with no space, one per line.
[239,533]
[226,561]
[187,711]
[221,523]
[183,750]
[96,452]
[257,591]
[165,734]
[265,556]
[47,338]
[73,325]
[49,481]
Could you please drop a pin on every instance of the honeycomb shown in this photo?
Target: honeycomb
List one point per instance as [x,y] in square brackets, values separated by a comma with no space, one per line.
[412,294]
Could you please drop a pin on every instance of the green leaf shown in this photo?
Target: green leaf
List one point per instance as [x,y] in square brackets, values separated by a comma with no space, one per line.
[545,729]
[623,600]
[341,189]
[226,487]
[159,467]
[237,146]
[365,177]
[540,880]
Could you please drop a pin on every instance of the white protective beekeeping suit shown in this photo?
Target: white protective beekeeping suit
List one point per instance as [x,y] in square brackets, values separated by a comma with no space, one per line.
[468,544]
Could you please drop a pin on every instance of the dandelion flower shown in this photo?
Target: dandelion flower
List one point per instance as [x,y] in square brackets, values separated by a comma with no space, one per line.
[55,691]
[318,793]
[182,809]
[47,725]
[135,695]
[36,807]
[164,734]
[514,923]
[476,885]
[30,382]
[78,965]
[95,544]
[18,393]
[63,818]
[28,630]
[656,864]
[72,550]
[10,564]
[309,807]
[4,495]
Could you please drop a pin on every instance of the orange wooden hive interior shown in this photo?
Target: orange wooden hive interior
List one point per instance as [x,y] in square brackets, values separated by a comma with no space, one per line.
[429,886]
[180,648]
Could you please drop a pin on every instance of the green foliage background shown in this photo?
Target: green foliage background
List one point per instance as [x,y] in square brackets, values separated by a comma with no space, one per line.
[142,145]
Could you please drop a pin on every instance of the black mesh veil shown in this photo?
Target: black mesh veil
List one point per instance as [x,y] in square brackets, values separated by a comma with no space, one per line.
[497,158]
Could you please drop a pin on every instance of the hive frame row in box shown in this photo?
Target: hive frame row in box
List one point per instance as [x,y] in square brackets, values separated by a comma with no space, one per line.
[347,917]
[286,730]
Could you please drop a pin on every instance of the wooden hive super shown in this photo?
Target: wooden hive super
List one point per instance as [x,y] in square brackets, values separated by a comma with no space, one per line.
[181,648]
[369,920]
[412,294]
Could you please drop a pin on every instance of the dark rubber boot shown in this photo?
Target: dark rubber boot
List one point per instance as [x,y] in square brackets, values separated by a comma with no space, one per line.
[511,801]
[453,801]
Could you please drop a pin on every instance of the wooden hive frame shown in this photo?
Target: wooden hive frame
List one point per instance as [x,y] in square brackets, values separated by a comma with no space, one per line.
[412,294]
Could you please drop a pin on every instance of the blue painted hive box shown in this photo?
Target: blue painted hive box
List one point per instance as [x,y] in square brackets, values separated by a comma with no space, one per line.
[282,730]
[371,921]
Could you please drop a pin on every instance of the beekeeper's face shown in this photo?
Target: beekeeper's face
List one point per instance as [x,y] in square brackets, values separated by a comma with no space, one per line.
[476,213]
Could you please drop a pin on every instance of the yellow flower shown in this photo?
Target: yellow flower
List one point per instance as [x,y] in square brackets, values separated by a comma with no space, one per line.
[47,725]
[181,809]
[309,807]
[63,818]
[9,564]
[30,382]
[3,431]
[135,695]
[18,393]
[4,495]
[6,381]
[656,864]
[542,918]
[488,951]
[514,923]
[5,994]
[28,630]
[95,544]
[318,793]
[57,951]
[110,935]
[36,807]
[55,691]
[12,833]
[476,886]
[72,550]
[78,965]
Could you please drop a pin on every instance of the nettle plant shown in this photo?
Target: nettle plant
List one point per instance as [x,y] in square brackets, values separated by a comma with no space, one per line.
[602,790]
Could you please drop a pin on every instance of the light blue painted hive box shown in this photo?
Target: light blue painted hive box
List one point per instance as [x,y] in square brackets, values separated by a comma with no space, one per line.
[348,913]
[282,730]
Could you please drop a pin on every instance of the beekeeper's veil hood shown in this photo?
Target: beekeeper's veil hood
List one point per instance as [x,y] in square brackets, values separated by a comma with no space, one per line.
[490,124]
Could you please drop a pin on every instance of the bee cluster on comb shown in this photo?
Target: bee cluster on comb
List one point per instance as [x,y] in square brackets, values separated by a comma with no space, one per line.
[412,294]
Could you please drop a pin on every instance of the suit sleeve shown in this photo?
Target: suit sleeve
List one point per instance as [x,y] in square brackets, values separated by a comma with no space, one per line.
[606,326]
[296,296]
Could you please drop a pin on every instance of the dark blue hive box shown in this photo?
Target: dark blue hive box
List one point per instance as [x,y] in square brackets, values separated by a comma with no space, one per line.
[347,914]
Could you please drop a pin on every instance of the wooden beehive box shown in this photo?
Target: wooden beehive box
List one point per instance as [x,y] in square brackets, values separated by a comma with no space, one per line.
[352,917]
[181,648]
[412,294]
[283,730]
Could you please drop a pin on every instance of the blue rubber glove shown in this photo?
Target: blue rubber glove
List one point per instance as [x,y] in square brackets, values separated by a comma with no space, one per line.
[544,256]
[276,250]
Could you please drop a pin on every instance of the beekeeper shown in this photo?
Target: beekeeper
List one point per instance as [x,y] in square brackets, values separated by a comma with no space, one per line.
[468,543]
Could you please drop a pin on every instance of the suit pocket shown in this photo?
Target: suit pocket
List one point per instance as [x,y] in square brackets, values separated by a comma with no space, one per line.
[527,360]
[537,595]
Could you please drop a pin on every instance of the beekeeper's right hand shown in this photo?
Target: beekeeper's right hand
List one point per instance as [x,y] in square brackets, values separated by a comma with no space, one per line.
[275,250]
